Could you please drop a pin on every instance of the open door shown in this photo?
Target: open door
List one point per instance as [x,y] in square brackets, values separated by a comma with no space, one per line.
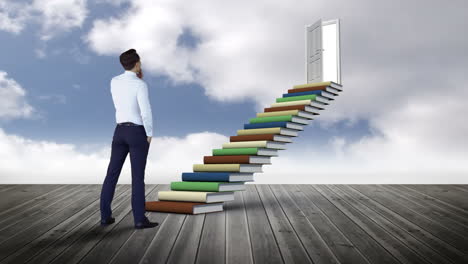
[323,58]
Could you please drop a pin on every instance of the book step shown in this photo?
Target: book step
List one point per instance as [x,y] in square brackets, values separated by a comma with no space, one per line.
[237,159]
[196,196]
[217,176]
[183,207]
[268,137]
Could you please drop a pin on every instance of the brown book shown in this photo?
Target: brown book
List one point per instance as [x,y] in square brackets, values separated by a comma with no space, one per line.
[283,108]
[235,159]
[251,137]
[182,207]
[307,89]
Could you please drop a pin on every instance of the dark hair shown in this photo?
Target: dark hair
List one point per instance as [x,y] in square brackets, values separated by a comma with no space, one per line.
[129,58]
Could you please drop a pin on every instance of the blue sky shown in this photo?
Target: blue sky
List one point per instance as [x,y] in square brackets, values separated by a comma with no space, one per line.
[79,109]
[211,66]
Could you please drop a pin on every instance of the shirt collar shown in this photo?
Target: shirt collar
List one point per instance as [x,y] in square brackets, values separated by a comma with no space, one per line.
[129,73]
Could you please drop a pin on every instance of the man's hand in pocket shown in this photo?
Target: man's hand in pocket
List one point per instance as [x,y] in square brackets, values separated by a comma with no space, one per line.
[149,140]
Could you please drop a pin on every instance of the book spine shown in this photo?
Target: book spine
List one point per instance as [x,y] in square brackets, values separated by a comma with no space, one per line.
[296,98]
[302,93]
[235,151]
[265,125]
[246,144]
[170,207]
[182,196]
[307,89]
[195,186]
[206,176]
[236,159]
[269,137]
[299,102]
[216,167]
[307,85]
[257,131]
[283,108]
[278,113]
[269,119]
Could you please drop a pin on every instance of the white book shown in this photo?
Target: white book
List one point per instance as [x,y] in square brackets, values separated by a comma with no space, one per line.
[294,126]
[300,120]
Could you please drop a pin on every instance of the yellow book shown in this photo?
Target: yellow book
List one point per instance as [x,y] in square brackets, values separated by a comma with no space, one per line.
[182,196]
[258,131]
[307,85]
[278,113]
[299,102]
[270,130]
[246,144]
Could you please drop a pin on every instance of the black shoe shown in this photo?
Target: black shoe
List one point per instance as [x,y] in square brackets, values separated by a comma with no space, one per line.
[107,221]
[146,224]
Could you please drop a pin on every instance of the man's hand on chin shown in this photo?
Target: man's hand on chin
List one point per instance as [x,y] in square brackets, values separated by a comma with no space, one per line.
[149,139]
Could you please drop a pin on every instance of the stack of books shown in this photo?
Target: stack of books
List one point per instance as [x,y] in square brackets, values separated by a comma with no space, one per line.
[212,183]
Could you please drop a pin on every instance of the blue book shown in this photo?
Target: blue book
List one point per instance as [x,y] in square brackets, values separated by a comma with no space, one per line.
[302,93]
[217,176]
[285,124]
[266,125]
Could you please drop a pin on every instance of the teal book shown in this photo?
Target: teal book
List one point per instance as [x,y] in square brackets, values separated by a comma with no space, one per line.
[207,186]
[296,98]
[270,119]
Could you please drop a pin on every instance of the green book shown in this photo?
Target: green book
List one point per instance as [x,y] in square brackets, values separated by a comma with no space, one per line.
[207,186]
[296,98]
[270,119]
[235,151]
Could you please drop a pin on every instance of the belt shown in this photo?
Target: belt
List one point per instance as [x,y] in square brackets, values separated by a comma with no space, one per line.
[128,124]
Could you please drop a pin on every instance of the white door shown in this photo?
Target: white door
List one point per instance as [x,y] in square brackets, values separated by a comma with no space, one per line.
[314,52]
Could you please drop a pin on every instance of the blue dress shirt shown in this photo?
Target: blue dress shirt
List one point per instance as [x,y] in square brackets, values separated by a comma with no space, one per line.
[131,100]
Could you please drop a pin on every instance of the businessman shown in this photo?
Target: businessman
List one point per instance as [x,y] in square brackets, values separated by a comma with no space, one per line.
[132,134]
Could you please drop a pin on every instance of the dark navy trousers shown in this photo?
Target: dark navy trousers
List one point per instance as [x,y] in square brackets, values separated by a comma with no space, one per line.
[133,140]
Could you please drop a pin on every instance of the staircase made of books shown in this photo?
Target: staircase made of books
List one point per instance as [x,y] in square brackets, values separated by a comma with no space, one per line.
[210,184]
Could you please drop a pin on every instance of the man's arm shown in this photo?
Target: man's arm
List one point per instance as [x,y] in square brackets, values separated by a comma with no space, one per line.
[145,109]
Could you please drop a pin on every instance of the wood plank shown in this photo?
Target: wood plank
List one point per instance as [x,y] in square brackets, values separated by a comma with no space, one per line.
[289,243]
[441,192]
[76,251]
[313,243]
[29,233]
[449,207]
[91,211]
[23,193]
[6,187]
[399,250]
[57,246]
[430,210]
[185,247]
[27,209]
[372,250]
[212,245]
[422,235]
[435,228]
[105,249]
[11,226]
[344,250]
[238,245]
[264,245]
[423,251]
[134,248]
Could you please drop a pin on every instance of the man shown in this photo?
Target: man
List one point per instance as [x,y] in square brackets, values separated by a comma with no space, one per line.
[132,134]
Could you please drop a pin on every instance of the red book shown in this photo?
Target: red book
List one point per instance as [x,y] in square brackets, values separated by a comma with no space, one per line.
[182,207]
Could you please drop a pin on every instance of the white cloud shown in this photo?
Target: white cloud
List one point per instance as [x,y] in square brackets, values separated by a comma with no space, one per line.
[53,16]
[13,16]
[24,160]
[403,72]
[13,103]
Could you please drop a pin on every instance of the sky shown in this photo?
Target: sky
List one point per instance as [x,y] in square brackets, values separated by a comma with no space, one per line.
[212,65]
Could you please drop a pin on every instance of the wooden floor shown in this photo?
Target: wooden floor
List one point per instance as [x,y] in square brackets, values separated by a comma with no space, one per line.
[285,223]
